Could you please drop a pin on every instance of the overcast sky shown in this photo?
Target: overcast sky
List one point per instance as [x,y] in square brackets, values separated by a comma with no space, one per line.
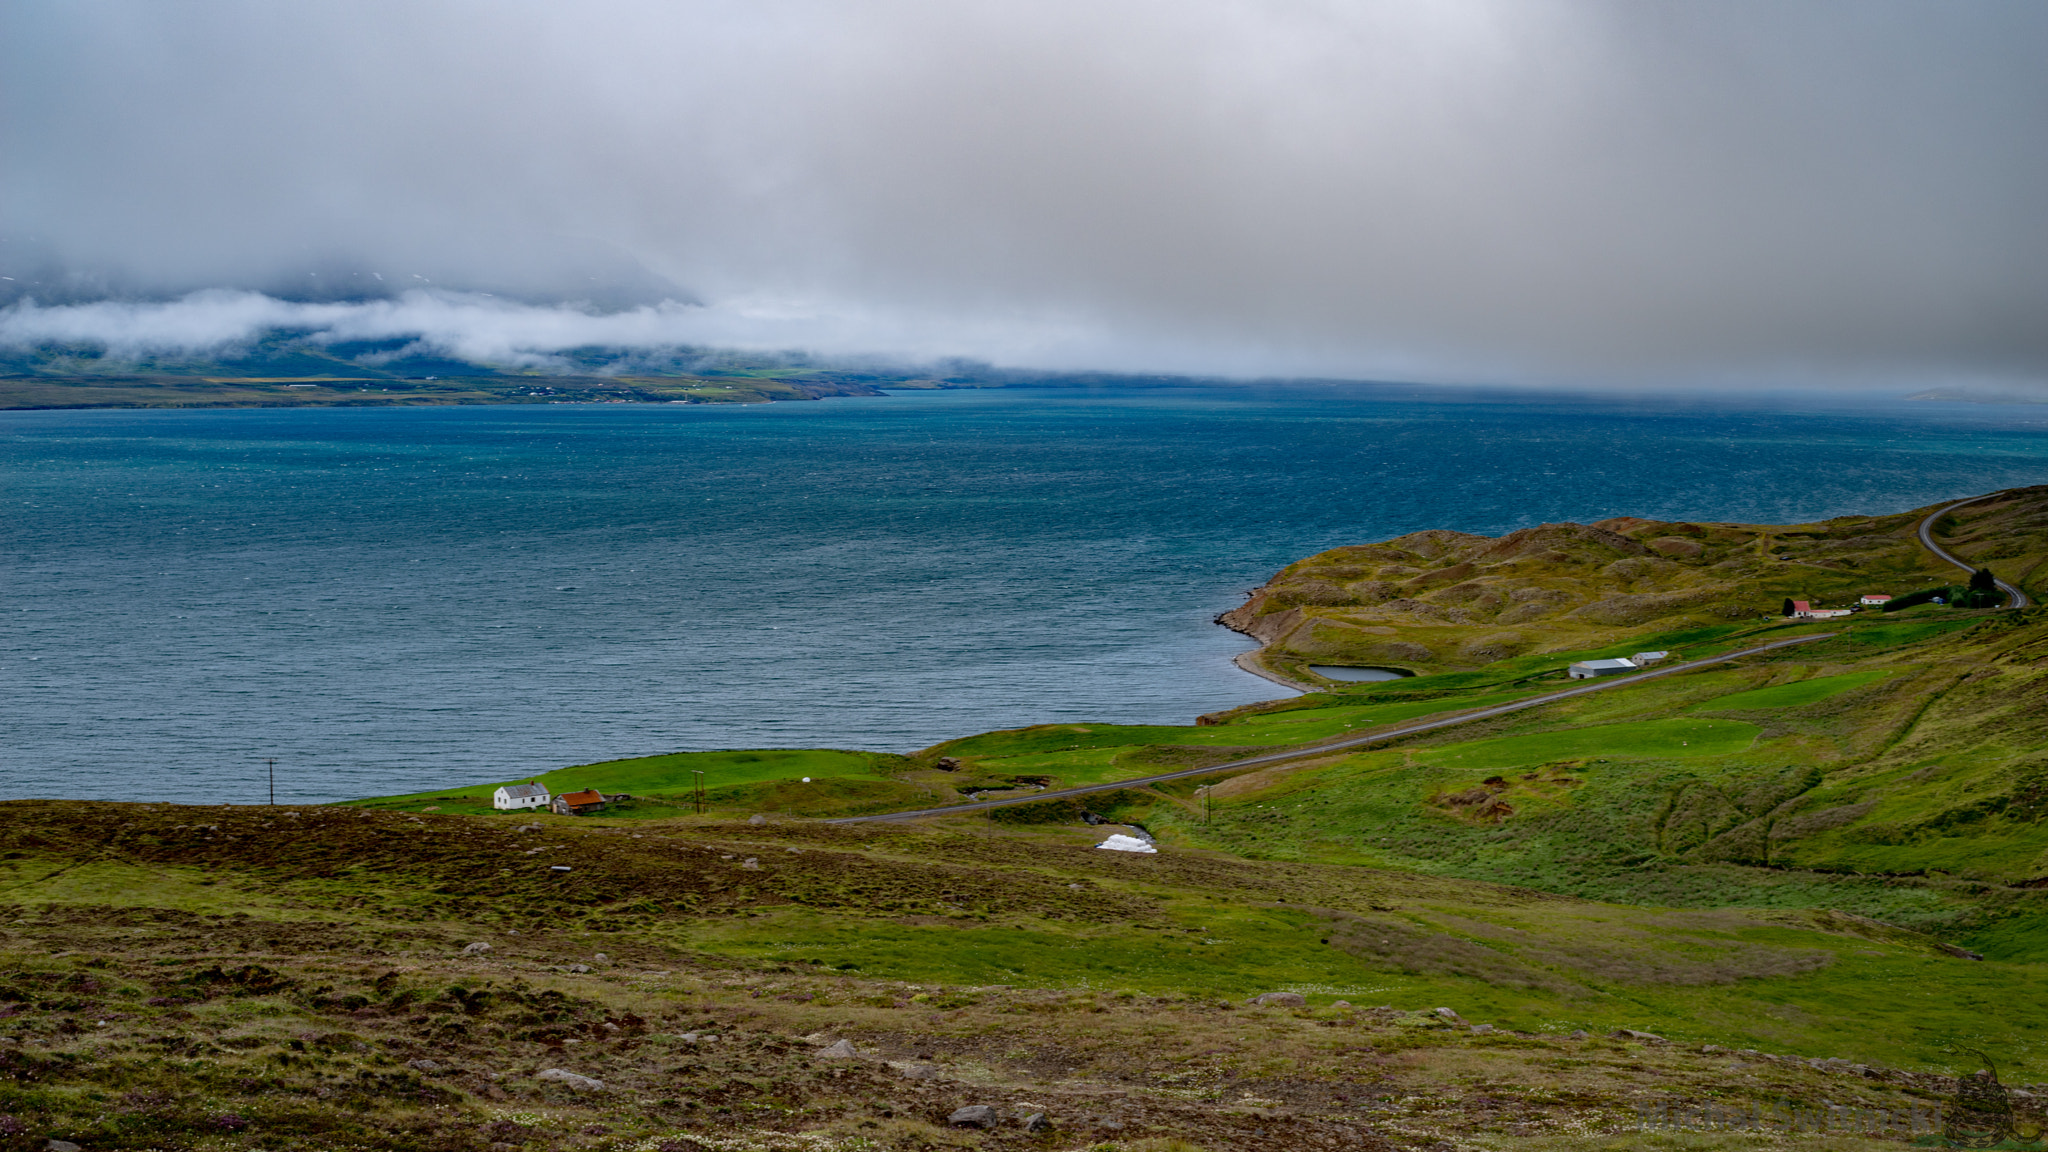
[1429,189]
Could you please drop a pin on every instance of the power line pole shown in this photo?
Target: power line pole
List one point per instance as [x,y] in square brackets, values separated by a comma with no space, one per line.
[700,790]
[272,761]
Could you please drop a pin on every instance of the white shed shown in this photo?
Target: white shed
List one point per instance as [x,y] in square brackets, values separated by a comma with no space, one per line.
[1588,669]
[1645,659]
[513,797]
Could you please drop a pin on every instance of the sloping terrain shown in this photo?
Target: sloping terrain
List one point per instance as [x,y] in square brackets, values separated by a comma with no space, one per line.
[298,978]
[1440,600]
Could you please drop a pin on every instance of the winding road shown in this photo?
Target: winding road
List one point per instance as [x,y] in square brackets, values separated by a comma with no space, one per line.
[2014,597]
[1300,751]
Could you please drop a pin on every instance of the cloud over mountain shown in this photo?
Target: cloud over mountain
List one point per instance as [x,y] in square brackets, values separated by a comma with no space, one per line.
[1502,189]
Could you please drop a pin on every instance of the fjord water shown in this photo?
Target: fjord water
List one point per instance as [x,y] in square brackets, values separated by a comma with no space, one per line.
[403,599]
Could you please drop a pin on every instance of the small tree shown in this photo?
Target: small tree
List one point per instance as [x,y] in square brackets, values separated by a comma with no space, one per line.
[1983,581]
[1787,609]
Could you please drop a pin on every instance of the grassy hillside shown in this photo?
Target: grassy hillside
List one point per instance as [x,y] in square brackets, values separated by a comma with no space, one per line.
[1441,600]
[297,978]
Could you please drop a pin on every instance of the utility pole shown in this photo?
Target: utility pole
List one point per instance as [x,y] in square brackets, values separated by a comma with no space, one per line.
[700,790]
[272,761]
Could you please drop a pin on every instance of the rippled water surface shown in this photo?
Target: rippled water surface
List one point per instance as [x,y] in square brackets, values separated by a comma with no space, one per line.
[412,598]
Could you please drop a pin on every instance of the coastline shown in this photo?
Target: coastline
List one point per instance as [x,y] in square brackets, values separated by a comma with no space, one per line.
[1250,663]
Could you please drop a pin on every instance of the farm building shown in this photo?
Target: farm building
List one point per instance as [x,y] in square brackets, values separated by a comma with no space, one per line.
[513,797]
[1645,659]
[1875,599]
[579,803]
[1588,669]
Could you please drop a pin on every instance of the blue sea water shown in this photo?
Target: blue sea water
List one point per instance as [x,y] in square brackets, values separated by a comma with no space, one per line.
[395,600]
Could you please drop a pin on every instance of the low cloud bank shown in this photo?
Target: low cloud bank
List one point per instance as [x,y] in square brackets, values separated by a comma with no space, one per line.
[485,330]
[1495,190]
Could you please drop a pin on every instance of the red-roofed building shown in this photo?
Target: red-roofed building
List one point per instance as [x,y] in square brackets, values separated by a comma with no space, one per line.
[579,803]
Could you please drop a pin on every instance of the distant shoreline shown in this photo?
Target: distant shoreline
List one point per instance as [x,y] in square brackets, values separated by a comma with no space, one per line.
[42,393]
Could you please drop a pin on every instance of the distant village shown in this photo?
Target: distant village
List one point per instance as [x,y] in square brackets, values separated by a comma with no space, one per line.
[528,797]
[1793,610]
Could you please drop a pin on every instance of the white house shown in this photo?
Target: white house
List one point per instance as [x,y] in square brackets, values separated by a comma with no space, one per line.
[1645,659]
[1875,599]
[1587,669]
[513,797]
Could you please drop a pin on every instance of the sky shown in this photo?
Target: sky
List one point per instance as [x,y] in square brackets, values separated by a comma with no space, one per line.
[1851,192]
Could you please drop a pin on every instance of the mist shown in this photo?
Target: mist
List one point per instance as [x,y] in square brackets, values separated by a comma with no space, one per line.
[1487,190]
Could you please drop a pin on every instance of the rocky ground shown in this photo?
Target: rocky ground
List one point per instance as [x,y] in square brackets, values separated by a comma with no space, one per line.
[203,978]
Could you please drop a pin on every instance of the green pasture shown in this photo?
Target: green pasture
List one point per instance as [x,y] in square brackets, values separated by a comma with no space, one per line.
[1795,694]
[670,776]
[1744,984]
[1666,739]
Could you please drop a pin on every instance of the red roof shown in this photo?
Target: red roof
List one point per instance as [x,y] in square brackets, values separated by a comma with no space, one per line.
[1801,606]
[578,799]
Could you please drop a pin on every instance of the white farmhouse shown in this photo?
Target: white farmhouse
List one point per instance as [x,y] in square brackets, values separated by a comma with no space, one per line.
[1588,669]
[1645,659]
[513,797]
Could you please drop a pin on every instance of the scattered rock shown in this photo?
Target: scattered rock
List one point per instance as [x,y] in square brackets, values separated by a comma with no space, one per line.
[920,1072]
[577,968]
[844,1050]
[751,864]
[476,949]
[1580,1034]
[56,1145]
[529,828]
[1632,1034]
[794,851]
[757,818]
[601,958]
[1446,1013]
[1036,1122]
[1342,1005]
[1281,1000]
[1481,1029]
[423,1065]
[973,1116]
[495,1092]
[570,1080]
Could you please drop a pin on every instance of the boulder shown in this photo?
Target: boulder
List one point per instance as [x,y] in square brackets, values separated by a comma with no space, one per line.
[757,818]
[1632,1034]
[1281,1000]
[577,968]
[920,1072]
[973,1116]
[844,1050]
[56,1145]
[1481,1029]
[570,1080]
[1446,1013]
[423,1065]
[1036,1122]
[1580,1034]
[476,949]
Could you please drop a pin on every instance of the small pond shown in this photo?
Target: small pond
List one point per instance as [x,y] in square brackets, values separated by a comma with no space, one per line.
[1337,672]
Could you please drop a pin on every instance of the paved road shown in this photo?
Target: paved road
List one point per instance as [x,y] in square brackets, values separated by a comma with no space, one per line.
[1299,751]
[2016,598]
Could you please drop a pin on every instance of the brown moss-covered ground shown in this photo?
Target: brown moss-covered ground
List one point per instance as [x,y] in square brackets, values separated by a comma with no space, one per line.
[255,978]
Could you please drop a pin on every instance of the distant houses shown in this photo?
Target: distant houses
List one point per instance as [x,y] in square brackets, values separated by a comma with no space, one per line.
[1875,599]
[579,803]
[1590,669]
[515,797]
[1804,610]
